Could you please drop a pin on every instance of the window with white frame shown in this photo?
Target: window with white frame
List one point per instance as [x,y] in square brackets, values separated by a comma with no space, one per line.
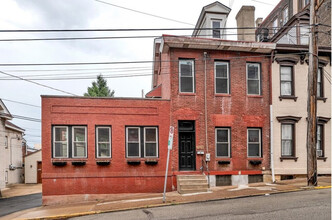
[221,70]
[103,142]
[135,139]
[216,29]
[6,141]
[275,26]
[223,142]
[79,137]
[286,81]
[287,140]
[60,142]
[150,142]
[253,79]
[304,34]
[187,76]
[320,140]
[320,88]
[254,142]
[285,16]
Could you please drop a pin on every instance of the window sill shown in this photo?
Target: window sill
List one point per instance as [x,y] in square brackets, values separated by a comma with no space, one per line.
[59,163]
[78,162]
[187,93]
[151,162]
[288,158]
[103,162]
[222,95]
[288,97]
[255,161]
[322,98]
[254,96]
[133,161]
[322,158]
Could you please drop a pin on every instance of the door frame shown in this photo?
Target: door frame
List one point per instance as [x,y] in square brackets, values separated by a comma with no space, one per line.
[193,133]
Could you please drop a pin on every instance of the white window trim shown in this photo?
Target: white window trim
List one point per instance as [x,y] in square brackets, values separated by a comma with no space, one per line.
[145,142]
[192,74]
[72,141]
[292,146]
[292,80]
[259,143]
[215,76]
[229,142]
[139,142]
[54,127]
[259,79]
[110,141]
[212,29]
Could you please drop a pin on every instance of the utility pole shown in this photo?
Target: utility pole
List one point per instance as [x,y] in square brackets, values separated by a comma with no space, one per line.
[312,99]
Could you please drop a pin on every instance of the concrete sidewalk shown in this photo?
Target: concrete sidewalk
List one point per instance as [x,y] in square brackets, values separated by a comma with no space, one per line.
[21,190]
[134,201]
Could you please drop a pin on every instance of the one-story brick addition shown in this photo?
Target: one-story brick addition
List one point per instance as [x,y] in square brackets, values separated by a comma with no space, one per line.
[216,94]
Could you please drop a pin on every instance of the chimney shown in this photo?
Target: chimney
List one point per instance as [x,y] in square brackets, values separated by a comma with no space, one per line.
[246,18]
[259,22]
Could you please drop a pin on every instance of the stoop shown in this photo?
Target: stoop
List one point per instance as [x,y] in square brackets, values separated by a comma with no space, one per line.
[192,184]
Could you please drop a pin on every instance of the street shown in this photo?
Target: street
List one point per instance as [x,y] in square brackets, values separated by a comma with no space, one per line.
[311,204]
[18,203]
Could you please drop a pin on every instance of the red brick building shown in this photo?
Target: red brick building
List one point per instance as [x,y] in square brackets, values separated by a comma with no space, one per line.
[214,92]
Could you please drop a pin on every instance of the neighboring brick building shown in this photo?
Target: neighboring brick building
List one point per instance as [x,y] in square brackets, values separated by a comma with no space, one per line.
[216,94]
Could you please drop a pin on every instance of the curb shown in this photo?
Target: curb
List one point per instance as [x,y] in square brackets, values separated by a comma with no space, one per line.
[169,204]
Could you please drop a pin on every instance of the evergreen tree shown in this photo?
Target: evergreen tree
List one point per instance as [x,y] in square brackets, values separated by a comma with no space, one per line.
[99,88]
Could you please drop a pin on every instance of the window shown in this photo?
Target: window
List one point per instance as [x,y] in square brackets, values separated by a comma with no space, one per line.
[150,142]
[60,142]
[286,81]
[216,29]
[253,79]
[79,142]
[287,140]
[304,34]
[320,88]
[223,142]
[6,141]
[275,26]
[320,140]
[103,142]
[134,141]
[254,142]
[187,79]
[221,70]
[285,16]
[69,142]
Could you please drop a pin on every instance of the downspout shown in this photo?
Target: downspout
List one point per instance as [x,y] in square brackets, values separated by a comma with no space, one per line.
[271,144]
[205,119]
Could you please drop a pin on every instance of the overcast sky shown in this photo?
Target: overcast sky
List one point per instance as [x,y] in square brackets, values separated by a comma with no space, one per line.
[90,14]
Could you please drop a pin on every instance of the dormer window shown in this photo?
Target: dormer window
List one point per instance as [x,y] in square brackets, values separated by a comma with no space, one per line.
[216,29]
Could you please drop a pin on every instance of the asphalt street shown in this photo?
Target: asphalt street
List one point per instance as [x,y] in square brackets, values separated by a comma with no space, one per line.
[18,203]
[311,205]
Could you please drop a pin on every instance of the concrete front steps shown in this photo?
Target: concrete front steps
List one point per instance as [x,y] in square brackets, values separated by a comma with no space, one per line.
[192,184]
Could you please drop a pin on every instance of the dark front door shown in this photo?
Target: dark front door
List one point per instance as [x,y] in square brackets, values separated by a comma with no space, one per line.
[39,172]
[187,151]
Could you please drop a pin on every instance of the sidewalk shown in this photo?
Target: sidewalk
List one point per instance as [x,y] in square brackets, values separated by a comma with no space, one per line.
[21,190]
[134,201]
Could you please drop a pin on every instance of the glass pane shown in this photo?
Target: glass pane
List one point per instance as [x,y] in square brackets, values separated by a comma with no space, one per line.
[252,71]
[79,134]
[216,24]
[186,68]
[286,132]
[319,132]
[60,150]
[222,150]
[221,85]
[304,31]
[216,33]
[319,75]
[104,150]
[253,87]
[286,73]
[222,135]
[286,88]
[79,150]
[319,89]
[253,136]
[150,150]
[253,150]
[133,150]
[221,70]
[319,145]
[150,134]
[187,84]
[286,148]
[60,134]
[103,135]
[133,134]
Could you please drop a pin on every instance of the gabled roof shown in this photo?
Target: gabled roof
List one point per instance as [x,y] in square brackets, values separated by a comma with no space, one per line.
[4,112]
[216,8]
[13,127]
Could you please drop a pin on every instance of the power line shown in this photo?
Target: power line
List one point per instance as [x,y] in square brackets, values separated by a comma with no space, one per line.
[145,13]
[263,2]
[55,70]
[22,103]
[39,84]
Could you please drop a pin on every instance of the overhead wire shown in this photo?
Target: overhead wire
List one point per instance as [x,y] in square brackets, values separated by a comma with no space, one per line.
[22,103]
